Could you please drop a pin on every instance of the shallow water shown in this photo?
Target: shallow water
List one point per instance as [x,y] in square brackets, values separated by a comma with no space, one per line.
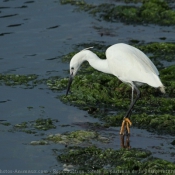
[33,36]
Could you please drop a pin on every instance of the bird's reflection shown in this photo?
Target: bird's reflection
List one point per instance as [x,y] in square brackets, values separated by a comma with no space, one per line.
[124,141]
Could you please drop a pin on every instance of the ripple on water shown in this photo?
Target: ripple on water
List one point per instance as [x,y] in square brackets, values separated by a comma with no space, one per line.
[7,16]
[5,33]
[14,25]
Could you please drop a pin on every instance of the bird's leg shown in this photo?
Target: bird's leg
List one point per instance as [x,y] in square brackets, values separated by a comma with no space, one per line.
[133,103]
[132,97]
[126,122]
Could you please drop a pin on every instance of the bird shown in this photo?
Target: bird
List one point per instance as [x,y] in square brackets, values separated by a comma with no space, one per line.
[128,64]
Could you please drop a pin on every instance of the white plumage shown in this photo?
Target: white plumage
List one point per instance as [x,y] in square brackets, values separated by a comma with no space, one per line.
[130,64]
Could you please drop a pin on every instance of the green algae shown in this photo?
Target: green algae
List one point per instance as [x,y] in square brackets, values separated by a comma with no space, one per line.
[32,127]
[5,123]
[157,123]
[21,125]
[76,137]
[92,93]
[56,83]
[93,160]
[155,48]
[13,79]
[44,124]
[153,11]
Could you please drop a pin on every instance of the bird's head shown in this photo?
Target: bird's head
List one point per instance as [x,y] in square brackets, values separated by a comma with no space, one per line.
[75,64]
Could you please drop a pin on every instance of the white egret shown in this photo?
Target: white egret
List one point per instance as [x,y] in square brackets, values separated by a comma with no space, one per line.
[128,64]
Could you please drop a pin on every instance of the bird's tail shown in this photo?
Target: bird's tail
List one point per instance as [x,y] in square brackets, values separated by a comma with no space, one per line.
[162,89]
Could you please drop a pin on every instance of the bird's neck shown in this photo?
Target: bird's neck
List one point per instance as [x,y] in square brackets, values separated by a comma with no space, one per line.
[96,62]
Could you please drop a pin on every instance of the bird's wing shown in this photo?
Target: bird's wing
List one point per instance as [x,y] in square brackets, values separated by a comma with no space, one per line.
[130,64]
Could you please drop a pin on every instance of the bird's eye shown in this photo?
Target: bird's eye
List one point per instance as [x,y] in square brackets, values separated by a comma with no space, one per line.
[72,68]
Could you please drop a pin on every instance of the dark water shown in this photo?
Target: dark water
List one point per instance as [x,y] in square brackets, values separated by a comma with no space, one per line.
[33,34]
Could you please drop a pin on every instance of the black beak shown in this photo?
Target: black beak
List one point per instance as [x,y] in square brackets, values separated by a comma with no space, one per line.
[69,84]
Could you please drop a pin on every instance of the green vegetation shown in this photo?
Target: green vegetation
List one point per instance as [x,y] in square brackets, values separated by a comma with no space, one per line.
[33,126]
[152,11]
[92,160]
[13,80]
[76,137]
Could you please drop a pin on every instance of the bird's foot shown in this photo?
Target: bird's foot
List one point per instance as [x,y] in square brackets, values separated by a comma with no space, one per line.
[125,125]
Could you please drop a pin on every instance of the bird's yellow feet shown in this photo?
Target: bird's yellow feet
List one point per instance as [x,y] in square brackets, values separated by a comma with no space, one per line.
[125,124]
